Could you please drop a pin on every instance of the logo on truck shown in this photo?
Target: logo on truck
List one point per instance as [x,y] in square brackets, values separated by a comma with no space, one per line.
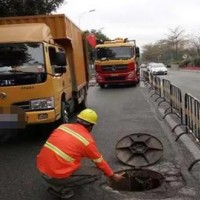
[114,68]
[3,95]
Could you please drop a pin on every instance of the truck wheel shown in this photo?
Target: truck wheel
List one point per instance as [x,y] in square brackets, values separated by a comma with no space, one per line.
[134,84]
[64,114]
[83,104]
[102,85]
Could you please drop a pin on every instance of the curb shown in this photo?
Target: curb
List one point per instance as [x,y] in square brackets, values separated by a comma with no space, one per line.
[188,140]
[188,70]
[193,148]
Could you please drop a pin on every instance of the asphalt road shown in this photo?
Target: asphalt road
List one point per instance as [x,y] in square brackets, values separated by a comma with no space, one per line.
[186,80]
[122,111]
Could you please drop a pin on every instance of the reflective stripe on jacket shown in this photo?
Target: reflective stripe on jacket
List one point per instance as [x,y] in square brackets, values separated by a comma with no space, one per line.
[62,153]
[59,152]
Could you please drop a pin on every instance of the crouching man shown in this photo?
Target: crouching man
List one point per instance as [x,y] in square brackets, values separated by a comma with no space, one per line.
[59,161]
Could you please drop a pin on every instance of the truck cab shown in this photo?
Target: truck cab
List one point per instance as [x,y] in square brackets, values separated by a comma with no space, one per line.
[43,70]
[116,62]
[32,76]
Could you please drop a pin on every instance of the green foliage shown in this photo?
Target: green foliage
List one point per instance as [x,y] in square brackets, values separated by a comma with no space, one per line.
[177,48]
[194,61]
[28,7]
[99,36]
[168,50]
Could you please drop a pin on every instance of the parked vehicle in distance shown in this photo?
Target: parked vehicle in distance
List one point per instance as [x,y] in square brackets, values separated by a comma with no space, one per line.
[157,69]
[143,65]
[149,66]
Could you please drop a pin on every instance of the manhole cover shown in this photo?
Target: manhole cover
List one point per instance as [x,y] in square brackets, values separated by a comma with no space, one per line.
[139,149]
[138,180]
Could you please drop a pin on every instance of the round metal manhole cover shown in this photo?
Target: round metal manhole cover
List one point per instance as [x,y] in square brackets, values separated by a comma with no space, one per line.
[139,149]
[138,180]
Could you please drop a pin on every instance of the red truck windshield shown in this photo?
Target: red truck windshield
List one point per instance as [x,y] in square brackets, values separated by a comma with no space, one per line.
[122,52]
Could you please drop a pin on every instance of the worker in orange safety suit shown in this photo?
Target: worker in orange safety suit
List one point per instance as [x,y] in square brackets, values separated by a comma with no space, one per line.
[59,161]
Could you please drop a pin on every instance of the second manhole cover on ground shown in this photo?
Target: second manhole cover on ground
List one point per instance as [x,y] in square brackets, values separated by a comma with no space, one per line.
[139,149]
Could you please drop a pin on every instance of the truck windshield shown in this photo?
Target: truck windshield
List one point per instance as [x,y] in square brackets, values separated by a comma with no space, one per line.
[21,63]
[26,57]
[122,52]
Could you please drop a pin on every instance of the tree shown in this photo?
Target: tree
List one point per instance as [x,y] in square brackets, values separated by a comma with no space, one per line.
[175,41]
[99,37]
[155,52]
[28,7]
[195,41]
[148,53]
[170,49]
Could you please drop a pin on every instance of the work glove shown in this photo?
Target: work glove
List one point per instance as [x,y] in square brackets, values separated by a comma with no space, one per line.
[117,176]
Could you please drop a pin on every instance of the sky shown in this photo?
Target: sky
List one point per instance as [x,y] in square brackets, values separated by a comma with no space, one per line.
[145,21]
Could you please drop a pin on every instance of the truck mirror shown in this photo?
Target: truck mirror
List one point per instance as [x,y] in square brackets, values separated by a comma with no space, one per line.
[61,59]
[137,51]
[59,70]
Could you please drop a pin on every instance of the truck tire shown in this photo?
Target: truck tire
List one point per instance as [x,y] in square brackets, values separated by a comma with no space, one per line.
[83,104]
[102,85]
[134,84]
[64,118]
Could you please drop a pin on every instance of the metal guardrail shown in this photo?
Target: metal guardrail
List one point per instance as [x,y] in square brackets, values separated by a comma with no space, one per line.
[192,117]
[157,85]
[145,77]
[192,114]
[176,104]
[188,113]
[151,82]
[166,91]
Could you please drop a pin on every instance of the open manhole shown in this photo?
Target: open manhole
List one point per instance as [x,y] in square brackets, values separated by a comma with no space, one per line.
[138,180]
[139,150]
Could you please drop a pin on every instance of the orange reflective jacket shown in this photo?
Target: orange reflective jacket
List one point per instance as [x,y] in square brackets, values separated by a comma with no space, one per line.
[62,153]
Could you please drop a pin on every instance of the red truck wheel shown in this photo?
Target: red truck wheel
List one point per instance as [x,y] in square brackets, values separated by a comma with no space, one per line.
[102,85]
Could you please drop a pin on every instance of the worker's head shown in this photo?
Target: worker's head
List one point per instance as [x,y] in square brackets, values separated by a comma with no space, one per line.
[87,118]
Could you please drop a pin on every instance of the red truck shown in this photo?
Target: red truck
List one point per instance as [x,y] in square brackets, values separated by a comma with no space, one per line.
[116,62]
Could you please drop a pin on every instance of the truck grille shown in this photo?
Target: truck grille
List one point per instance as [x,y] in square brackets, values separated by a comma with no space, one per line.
[25,105]
[114,68]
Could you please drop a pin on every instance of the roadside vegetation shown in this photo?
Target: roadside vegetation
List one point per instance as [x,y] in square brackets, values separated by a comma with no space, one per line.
[177,48]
